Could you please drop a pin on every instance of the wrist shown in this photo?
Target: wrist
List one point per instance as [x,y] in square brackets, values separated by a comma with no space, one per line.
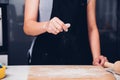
[45,25]
[96,56]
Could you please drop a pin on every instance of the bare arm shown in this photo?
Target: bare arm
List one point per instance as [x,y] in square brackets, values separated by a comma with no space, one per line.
[31,26]
[94,34]
[34,28]
[92,29]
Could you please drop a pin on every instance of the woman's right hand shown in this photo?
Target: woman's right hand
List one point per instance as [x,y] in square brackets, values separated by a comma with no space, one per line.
[55,26]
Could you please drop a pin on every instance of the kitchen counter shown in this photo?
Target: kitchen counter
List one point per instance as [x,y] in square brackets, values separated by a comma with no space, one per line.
[22,72]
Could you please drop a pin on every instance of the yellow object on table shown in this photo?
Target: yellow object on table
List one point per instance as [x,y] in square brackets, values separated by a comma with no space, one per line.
[2,72]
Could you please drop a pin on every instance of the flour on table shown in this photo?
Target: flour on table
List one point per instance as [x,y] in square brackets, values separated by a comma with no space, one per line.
[67,72]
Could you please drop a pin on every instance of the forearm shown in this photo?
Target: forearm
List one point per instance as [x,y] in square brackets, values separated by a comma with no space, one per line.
[31,26]
[34,28]
[94,43]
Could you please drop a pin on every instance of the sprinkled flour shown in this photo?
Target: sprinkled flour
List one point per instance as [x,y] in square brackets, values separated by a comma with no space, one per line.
[67,72]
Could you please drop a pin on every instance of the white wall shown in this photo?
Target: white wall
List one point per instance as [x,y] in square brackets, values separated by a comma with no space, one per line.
[4,59]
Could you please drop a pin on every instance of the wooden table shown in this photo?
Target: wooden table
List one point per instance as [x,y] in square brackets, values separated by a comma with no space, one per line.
[57,73]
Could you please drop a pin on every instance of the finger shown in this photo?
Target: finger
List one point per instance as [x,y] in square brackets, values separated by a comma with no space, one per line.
[106,59]
[54,30]
[96,62]
[57,26]
[61,23]
[51,29]
[68,25]
[102,60]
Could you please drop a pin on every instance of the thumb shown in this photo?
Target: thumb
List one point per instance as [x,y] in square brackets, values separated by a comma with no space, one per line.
[96,62]
[68,25]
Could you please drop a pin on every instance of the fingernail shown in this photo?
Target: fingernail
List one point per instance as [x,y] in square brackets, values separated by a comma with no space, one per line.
[68,25]
[66,30]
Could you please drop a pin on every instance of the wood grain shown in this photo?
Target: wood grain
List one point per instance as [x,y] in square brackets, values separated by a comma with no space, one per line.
[69,73]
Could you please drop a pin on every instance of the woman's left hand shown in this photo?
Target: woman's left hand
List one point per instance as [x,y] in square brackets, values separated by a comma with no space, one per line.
[100,60]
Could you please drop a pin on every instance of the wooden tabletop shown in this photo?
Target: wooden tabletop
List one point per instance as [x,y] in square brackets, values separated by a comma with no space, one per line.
[65,72]
[69,73]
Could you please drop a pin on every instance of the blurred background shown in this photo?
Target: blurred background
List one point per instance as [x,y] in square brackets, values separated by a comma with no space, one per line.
[16,43]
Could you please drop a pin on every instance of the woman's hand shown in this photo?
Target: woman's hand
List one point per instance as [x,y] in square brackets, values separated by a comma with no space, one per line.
[99,61]
[55,26]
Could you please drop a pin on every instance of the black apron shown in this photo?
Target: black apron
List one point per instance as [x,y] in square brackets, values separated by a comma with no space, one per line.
[66,48]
